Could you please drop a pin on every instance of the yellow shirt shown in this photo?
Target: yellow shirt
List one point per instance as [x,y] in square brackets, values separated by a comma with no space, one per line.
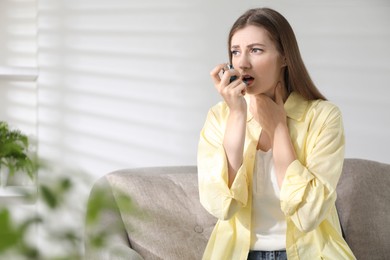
[308,193]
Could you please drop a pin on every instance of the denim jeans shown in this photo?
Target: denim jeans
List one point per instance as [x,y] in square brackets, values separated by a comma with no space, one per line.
[267,255]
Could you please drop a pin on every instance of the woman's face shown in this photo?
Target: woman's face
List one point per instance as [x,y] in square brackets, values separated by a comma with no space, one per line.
[256,57]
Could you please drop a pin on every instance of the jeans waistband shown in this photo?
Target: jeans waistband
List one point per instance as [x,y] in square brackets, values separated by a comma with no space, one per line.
[267,255]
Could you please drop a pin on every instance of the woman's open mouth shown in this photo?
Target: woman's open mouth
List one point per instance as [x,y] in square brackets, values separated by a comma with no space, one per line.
[248,80]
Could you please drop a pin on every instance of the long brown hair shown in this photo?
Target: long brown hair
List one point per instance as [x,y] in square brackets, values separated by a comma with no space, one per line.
[296,75]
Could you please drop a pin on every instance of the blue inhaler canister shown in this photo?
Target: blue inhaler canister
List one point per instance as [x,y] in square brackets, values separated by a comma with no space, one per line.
[232,78]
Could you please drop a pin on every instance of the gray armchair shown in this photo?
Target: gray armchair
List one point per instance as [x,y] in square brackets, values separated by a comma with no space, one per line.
[164,220]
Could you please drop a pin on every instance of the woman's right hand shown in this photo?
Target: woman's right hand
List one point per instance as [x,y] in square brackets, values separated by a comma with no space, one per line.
[233,93]
[234,137]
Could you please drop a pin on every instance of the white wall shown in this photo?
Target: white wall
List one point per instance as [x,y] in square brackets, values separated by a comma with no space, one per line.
[121,82]
[126,83]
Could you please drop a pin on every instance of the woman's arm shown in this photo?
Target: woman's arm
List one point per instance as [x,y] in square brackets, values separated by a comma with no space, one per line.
[222,179]
[283,152]
[233,143]
[234,136]
[215,194]
[309,186]
[273,119]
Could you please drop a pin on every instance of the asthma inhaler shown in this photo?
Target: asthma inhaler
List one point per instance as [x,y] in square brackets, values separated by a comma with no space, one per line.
[232,78]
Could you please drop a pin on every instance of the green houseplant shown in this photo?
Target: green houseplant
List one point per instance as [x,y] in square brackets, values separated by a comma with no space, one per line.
[14,151]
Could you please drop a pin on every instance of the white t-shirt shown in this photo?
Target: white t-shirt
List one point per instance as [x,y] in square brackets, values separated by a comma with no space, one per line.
[268,221]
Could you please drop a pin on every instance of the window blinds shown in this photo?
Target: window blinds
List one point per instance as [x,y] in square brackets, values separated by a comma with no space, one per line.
[18,64]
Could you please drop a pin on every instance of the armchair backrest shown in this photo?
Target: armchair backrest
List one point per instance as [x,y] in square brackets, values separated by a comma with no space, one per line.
[363,204]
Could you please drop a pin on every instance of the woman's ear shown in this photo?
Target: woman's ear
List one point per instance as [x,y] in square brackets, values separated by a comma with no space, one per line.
[284,62]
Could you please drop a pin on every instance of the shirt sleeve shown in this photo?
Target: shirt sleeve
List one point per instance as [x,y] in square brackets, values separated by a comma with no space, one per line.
[309,187]
[215,195]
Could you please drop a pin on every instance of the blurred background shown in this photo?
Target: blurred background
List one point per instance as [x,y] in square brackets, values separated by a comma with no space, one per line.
[108,84]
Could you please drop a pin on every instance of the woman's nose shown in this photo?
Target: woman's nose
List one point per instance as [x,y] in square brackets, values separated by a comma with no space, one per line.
[243,62]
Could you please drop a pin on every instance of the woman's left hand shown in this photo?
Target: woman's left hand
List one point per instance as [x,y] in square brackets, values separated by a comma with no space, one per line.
[269,113]
[273,119]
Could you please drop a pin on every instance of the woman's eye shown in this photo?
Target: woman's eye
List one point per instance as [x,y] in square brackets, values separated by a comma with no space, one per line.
[234,53]
[257,50]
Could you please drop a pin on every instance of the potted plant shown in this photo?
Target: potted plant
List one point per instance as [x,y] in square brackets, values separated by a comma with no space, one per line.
[14,153]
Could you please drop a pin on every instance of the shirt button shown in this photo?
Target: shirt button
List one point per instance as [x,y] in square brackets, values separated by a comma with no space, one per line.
[198,229]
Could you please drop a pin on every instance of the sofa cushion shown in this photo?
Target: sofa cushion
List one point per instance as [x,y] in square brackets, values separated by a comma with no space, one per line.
[363,207]
[169,222]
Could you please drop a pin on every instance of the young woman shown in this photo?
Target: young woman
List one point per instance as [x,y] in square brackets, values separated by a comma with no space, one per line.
[270,155]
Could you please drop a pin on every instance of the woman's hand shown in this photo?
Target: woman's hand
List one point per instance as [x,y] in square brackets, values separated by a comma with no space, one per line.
[268,113]
[232,93]
[234,137]
[273,119]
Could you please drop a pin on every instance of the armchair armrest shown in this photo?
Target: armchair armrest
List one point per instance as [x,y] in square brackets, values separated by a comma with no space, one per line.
[105,233]
[120,252]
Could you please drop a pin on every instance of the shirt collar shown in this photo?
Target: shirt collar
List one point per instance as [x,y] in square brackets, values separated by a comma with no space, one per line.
[295,106]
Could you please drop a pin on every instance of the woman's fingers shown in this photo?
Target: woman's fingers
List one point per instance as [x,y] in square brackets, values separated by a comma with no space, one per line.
[231,92]
[236,88]
[228,74]
[216,72]
[221,74]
